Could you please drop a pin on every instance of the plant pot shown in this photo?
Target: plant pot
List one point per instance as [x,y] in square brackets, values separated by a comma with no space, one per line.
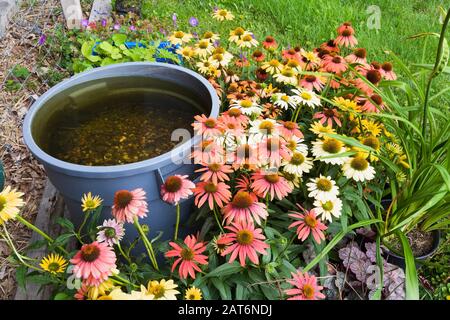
[399,261]
[73,180]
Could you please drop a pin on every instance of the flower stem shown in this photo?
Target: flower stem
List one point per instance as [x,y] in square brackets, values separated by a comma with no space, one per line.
[123,253]
[175,236]
[9,241]
[147,244]
[82,225]
[217,220]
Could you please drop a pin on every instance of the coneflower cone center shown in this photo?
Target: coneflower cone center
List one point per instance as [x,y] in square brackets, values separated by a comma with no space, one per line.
[328,206]
[374,76]
[336,60]
[289,125]
[377,99]
[324,184]
[274,63]
[3,203]
[244,237]
[210,187]
[372,142]
[246,104]
[332,145]
[208,35]
[210,123]
[90,253]
[387,66]
[179,34]
[360,53]
[234,112]
[123,198]
[242,200]
[306,96]
[359,163]
[328,112]
[308,291]
[272,178]
[157,290]
[347,33]
[173,184]
[310,78]
[214,167]
[266,126]
[310,221]
[238,31]
[53,267]
[110,232]
[187,254]
[297,159]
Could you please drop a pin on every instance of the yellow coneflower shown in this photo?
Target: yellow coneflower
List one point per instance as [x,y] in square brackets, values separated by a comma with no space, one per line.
[223,14]
[236,34]
[187,52]
[247,41]
[372,127]
[346,104]
[287,76]
[54,263]
[193,293]
[320,130]
[369,141]
[90,203]
[10,204]
[210,36]
[293,180]
[101,292]
[179,37]
[273,66]
[203,48]
[162,290]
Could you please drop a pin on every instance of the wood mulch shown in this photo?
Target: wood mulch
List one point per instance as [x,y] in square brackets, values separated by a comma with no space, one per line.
[20,47]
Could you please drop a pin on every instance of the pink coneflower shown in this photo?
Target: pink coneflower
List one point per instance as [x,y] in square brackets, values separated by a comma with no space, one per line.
[189,256]
[328,115]
[335,64]
[214,193]
[311,82]
[345,26]
[129,205]
[246,154]
[306,287]
[269,43]
[261,74]
[237,115]
[245,241]
[308,223]
[374,104]
[330,46]
[374,77]
[270,183]
[291,54]
[207,151]
[175,188]
[358,56]
[94,262]
[387,71]
[346,38]
[215,172]
[231,126]
[245,184]
[110,232]
[289,129]
[258,56]
[272,150]
[244,207]
[208,127]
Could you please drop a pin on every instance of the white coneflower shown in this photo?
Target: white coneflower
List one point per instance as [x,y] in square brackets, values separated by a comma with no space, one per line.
[236,34]
[273,66]
[263,128]
[204,67]
[283,101]
[329,147]
[210,36]
[306,97]
[218,60]
[287,75]
[179,37]
[203,48]
[247,41]
[358,169]
[322,188]
[328,209]
[247,107]
[295,145]
[222,14]
[298,164]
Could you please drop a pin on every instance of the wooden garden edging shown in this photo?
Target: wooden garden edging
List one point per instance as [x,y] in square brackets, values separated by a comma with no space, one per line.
[51,207]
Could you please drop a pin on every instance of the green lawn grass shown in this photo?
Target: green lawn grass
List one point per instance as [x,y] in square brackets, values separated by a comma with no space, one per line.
[310,22]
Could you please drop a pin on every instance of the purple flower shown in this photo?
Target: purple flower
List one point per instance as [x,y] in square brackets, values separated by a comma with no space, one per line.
[116,26]
[193,21]
[103,23]
[85,23]
[174,19]
[195,35]
[132,28]
[163,31]
[216,43]
[42,39]
[215,8]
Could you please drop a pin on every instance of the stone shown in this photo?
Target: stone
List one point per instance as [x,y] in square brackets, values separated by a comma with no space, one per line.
[101,9]
[7,9]
[72,13]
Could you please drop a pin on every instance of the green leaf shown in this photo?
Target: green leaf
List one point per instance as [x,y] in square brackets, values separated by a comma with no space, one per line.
[119,38]
[62,239]
[225,270]
[86,51]
[240,292]
[66,223]
[62,296]
[412,282]
[225,292]
[21,273]
[338,237]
